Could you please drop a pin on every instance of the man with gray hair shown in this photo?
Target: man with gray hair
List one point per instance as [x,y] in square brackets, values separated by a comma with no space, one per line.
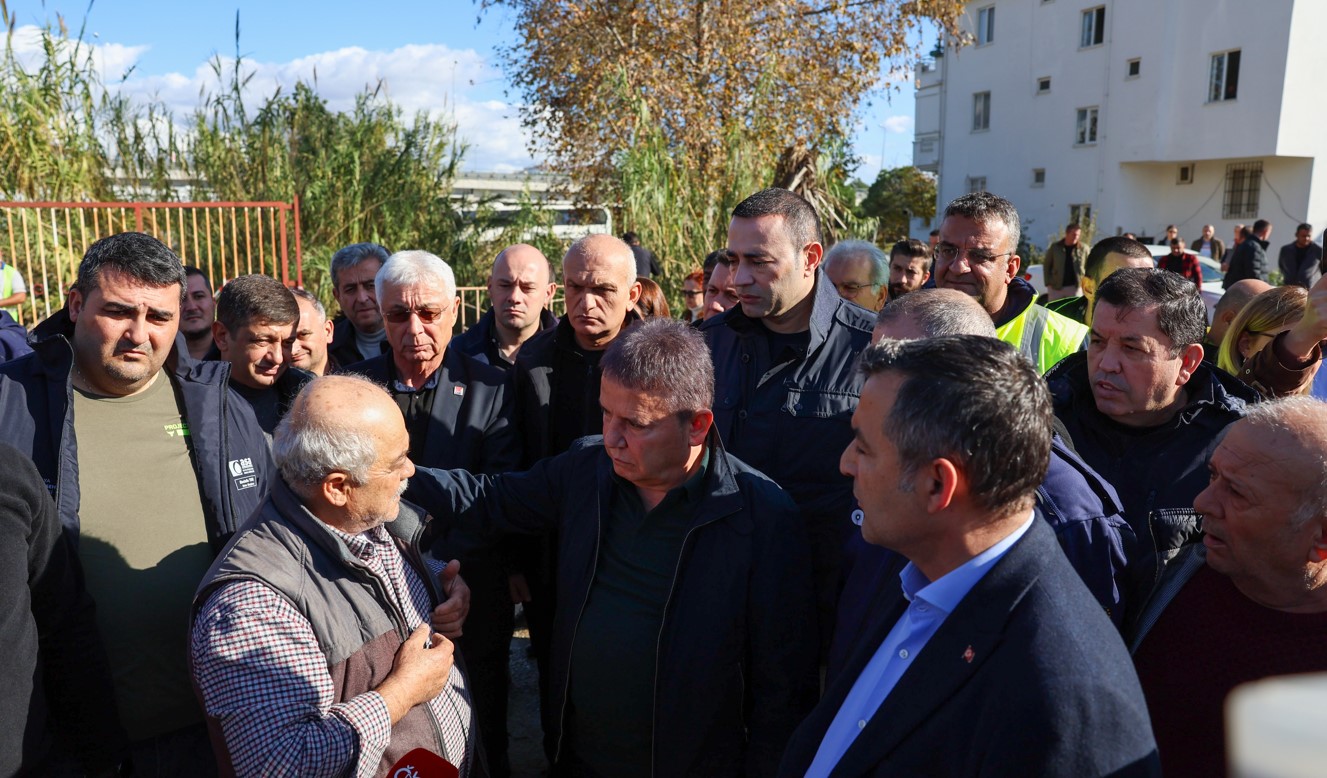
[978,255]
[313,335]
[859,271]
[458,413]
[1256,587]
[556,387]
[358,332]
[319,635]
[682,642]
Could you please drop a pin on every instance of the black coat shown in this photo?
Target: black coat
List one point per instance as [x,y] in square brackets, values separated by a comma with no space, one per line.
[230,453]
[1026,677]
[1247,260]
[737,659]
[480,340]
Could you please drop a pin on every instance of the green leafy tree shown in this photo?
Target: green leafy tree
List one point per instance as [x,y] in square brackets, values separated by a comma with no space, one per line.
[897,195]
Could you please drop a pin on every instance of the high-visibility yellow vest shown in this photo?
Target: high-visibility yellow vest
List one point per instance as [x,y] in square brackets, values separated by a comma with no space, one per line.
[1043,336]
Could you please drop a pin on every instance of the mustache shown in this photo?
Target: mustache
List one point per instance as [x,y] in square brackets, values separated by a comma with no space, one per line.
[1107,379]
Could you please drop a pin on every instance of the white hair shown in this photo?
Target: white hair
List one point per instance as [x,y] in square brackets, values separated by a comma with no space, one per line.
[405,268]
[1304,419]
[307,449]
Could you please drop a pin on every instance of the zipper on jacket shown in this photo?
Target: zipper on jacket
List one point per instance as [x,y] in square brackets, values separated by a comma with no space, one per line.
[594,569]
[658,647]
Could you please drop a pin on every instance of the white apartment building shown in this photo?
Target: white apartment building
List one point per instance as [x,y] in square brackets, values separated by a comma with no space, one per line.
[1137,113]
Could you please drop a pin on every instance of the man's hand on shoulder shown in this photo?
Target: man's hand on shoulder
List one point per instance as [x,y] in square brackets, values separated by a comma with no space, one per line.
[420,671]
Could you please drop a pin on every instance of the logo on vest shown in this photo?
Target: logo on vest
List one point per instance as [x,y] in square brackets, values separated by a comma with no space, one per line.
[243,472]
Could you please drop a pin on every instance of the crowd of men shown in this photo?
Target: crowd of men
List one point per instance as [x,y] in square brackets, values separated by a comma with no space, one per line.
[851,513]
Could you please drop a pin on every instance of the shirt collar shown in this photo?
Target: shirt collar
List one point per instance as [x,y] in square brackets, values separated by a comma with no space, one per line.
[431,383]
[946,593]
[361,545]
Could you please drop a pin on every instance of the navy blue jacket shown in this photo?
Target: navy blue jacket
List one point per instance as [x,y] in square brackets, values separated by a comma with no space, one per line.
[1079,506]
[1158,472]
[794,422]
[1026,677]
[13,338]
[480,340]
[230,453]
[737,661]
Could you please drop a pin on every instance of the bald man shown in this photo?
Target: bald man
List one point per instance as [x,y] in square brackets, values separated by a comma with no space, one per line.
[1227,308]
[556,380]
[290,647]
[520,287]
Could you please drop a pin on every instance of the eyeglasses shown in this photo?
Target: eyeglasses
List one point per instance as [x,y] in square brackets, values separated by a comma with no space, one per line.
[691,292]
[850,289]
[948,253]
[427,314]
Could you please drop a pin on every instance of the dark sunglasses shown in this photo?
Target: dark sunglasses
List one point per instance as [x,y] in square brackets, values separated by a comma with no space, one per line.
[402,315]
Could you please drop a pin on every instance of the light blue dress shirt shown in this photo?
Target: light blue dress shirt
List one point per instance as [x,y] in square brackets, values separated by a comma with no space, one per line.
[929,604]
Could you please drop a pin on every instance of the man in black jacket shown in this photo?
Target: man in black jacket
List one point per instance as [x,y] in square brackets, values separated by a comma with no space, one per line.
[785,371]
[154,462]
[556,386]
[357,333]
[1144,411]
[520,286]
[1249,258]
[458,414]
[681,644]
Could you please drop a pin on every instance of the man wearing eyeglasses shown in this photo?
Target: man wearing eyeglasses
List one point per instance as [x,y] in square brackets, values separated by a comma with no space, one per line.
[859,271]
[458,415]
[978,255]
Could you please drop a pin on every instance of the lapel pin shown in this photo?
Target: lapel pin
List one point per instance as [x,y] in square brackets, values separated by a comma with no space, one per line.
[458,390]
[969,655]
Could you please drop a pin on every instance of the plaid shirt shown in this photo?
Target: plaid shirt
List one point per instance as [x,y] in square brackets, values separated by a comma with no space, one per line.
[262,674]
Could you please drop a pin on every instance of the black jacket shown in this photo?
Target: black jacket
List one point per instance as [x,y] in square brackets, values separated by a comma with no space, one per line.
[1247,260]
[556,391]
[480,340]
[737,661]
[343,351]
[53,668]
[1159,472]
[230,454]
[13,338]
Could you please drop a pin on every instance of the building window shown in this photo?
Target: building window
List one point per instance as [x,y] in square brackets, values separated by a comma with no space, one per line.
[976,184]
[981,111]
[1184,175]
[1043,85]
[985,25]
[1094,27]
[1243,182]
[1085,132]
[1135,67]
[1224,82]
[1080,213]
[1038,177]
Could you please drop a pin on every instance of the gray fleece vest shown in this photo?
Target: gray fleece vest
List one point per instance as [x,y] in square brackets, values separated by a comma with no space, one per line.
[359,628]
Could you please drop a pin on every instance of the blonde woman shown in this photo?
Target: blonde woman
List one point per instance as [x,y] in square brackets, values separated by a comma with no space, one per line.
[1264,317]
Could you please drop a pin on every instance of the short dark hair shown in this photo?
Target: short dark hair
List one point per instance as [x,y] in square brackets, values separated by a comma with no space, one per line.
[630,238]
[665,357]
[1177,240]
[799,216]
[135,254]
[347,257]
[910,247]
[1072,226]
[1181,314]
[1261,225]
[975,401]
[935,233]
[190,272]
[255,297]
[983,207]
[711,259]
[1118,244]
[1304,226]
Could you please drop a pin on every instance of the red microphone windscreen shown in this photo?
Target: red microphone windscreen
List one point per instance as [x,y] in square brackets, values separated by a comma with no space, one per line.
[422,763]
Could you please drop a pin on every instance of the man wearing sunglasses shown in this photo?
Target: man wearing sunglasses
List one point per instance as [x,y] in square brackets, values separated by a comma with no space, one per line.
[978,255]
[458,414]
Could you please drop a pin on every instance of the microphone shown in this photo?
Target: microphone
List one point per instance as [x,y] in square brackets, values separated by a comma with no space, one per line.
[422,763]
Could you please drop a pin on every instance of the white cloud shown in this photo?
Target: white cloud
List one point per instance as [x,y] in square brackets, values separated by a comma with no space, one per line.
[899,125]
[446,83]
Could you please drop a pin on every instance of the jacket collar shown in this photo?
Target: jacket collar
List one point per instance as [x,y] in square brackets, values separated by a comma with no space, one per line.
[407,528]
[564,337]
[826,306]
[1019,296]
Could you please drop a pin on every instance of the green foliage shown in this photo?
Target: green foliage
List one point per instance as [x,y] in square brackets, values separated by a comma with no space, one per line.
[897,195]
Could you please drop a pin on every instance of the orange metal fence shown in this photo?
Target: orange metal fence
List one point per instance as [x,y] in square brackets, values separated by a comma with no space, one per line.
[46,240]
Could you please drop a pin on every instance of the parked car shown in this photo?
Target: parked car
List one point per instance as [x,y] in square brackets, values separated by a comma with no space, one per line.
[1034,275]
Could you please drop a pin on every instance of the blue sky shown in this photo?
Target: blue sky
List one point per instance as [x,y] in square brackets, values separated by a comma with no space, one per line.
[435,56]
